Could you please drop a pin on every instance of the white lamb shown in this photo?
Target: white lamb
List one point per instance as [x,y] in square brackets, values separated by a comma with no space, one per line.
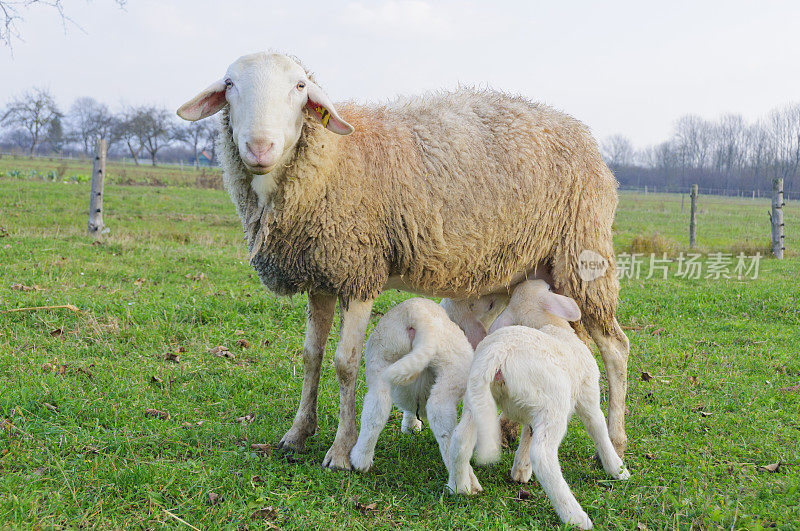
[538,374]
[418,358]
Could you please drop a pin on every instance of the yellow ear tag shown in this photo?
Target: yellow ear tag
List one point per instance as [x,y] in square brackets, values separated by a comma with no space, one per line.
[324,114]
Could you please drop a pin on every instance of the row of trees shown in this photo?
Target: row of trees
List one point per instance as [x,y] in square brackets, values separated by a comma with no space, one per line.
[33,122]
[725,154]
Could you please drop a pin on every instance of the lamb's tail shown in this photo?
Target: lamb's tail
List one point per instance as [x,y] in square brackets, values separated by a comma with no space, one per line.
[408,368]
[484,409]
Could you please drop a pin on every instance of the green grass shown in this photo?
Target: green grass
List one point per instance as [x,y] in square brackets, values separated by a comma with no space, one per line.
[173,275]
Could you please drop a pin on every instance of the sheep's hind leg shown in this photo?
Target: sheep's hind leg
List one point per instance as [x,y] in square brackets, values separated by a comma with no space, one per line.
[318,326]
[347,361]
[614,347]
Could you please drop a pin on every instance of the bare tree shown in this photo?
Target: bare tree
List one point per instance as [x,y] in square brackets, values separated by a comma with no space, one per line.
[211,129]
[189,134]
[129,128]
[195,135]
[692,138]
[618,151]
[155,131]
[90,120]
[729,150]
[11,16]
[33,112]
[784,136]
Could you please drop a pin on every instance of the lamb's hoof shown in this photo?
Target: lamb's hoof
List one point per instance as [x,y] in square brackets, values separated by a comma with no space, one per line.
[624,474]
[468,485]
[359,461]
[476,486]
[522,474]
[414,426]
[292,442]
[469,490]
[337,459]
[580,520]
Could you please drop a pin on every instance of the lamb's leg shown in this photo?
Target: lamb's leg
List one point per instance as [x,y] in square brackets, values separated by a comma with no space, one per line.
[614,348]
[410,422]
[347,360]
[374,414]
[588,409]
[547,435]
[521,469]
[462,478]
[318,326]
[442,411]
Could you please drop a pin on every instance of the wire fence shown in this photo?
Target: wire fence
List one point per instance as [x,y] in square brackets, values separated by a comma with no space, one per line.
[125,161]
[749,193]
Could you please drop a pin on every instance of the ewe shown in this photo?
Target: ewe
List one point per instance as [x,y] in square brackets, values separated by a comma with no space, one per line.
[538,374]
[454,194]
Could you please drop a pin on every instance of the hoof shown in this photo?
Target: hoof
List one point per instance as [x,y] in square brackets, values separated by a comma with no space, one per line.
[337,459]
[291,443]
[580,520]
[522,474]
[359,461]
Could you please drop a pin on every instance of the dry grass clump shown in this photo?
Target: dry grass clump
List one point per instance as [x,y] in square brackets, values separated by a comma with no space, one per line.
[655,243]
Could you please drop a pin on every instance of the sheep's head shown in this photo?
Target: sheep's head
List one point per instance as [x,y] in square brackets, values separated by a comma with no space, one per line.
[533,304]
[267,95]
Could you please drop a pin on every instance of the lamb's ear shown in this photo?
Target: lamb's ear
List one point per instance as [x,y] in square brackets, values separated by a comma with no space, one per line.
[208,102]
[504,319]
[322,109]
[561,306]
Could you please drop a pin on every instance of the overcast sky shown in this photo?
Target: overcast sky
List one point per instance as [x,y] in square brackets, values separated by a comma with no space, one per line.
[629,67]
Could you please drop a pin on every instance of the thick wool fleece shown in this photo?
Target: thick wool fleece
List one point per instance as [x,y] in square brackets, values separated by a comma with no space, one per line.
[454,193]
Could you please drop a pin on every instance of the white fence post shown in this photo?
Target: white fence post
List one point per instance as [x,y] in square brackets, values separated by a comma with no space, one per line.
[96,227]
[776,218]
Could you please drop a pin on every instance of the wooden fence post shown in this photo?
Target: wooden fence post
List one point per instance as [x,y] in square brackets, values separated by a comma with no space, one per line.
[776,218]
[96,227]
[693,219]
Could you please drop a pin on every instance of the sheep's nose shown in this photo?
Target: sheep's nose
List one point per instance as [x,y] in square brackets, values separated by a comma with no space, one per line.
[261,151]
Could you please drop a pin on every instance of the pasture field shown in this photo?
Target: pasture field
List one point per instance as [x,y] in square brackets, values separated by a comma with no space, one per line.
[117,172]
[714,382]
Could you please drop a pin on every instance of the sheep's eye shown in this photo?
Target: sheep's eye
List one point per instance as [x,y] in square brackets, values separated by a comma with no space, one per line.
[228,83]
[301,85]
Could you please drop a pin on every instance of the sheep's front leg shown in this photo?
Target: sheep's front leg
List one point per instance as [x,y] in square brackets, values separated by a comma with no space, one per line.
[318,326]
[347,360]
[614,347]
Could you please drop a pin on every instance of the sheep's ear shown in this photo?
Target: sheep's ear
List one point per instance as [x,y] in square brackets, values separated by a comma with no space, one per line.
[561,306]
[322,109]
[208,102]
